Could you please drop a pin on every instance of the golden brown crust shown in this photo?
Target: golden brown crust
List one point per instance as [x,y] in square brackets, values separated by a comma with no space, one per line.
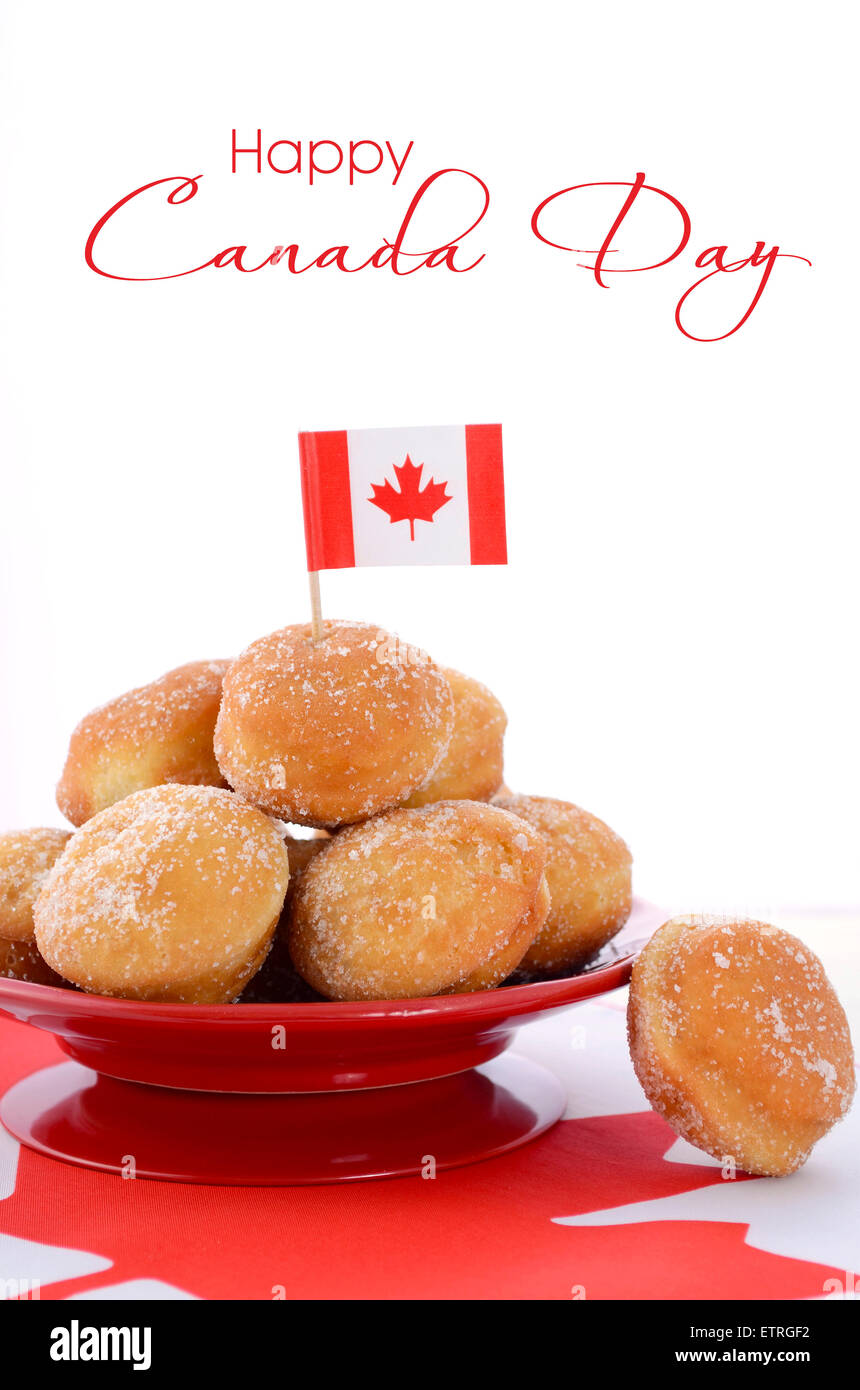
[496,969]
[739,1041]
[161,732]
[333,732]
[25,858]
[589,877]
[472,766]
[420,902]
[171,894]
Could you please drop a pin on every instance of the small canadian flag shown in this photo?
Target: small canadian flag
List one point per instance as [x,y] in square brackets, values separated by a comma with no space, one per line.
[430,495]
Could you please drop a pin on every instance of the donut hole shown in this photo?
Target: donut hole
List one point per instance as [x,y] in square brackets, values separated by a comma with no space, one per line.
[739,1041]
[418,902]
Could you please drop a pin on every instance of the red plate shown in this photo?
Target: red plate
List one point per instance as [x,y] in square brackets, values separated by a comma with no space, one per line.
[263,1060]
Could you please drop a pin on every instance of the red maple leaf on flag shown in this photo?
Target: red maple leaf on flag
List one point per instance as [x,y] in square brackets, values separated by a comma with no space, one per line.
[412,502]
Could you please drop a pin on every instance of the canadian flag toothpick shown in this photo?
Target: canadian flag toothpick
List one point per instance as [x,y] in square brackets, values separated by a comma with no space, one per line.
[430,495]
[423,496]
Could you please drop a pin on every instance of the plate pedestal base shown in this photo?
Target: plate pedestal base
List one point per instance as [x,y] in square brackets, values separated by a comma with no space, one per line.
[72,1113]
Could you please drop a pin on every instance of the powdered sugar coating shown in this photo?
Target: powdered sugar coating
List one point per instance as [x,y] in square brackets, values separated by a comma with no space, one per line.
[589,877]
[333,732]
[171,894]
[471,768]
[161,732]
[25,858]
[420,902]
[739,1040]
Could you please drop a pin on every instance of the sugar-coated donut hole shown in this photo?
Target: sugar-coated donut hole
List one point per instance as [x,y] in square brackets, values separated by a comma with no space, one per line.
[739,1040]
[471,768]
[330,733]
[418,902]
[589,877]
[26,857]
[156,733]
[173,893]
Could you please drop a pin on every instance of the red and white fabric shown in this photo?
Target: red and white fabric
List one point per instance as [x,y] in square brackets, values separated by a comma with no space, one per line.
[607,1205]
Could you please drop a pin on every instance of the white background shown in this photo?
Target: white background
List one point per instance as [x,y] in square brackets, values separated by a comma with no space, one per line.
[675,636]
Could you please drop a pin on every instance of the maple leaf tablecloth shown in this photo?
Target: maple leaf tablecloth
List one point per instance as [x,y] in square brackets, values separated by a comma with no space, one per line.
[608,1204]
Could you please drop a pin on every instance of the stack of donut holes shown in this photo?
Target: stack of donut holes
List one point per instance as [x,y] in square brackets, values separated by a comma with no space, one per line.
[328,820]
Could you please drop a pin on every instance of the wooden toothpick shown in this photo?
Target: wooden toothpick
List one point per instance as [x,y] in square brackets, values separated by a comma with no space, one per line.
[316,606]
